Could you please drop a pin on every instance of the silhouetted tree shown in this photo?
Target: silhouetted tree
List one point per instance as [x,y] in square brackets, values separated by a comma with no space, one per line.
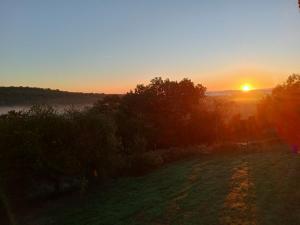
[164,108]
[282,109]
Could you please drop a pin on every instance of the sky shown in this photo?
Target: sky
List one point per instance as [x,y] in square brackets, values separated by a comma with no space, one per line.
[111,45]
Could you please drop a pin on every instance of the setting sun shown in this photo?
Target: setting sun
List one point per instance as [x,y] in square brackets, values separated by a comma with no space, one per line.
[246,87]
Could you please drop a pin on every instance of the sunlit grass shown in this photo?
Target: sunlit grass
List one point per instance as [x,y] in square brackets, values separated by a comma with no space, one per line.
[200,191]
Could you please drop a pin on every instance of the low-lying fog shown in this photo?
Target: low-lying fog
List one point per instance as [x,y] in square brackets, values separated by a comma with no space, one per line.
[59,108]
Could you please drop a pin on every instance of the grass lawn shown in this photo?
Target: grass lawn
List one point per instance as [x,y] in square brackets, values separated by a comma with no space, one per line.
[254,187]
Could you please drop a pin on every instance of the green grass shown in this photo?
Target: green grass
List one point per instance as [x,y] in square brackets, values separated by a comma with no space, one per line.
[261,187]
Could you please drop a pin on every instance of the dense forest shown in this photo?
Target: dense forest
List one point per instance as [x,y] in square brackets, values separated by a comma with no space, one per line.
[45,153]
[10,96]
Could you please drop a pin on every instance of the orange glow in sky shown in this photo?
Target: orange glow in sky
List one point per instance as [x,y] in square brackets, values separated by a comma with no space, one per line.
[106,49]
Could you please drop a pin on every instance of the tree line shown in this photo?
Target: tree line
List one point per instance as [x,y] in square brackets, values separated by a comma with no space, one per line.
[11,96]
[44,152]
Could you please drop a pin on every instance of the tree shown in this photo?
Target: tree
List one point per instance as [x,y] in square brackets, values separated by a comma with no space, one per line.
[283,109]
[163,108]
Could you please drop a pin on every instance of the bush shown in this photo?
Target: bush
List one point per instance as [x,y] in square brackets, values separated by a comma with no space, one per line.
[42,151]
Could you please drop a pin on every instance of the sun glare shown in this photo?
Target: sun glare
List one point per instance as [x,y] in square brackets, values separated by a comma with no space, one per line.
[246,87]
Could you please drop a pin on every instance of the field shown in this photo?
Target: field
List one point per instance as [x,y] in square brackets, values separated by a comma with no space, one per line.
[256,186]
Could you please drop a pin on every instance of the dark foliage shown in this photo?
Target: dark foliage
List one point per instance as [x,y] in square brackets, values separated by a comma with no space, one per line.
[45,152]
[281,110]
[163,113]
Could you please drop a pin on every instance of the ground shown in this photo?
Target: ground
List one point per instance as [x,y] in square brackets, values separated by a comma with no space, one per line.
[250,187]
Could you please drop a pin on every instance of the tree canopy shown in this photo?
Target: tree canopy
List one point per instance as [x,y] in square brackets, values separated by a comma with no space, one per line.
[282,108]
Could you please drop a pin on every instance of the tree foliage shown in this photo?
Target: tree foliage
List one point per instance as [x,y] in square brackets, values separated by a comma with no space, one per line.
[282,109]
[42,150]
[165,109]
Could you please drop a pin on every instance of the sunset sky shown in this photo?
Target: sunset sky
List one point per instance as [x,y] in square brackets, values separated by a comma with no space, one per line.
[110,46]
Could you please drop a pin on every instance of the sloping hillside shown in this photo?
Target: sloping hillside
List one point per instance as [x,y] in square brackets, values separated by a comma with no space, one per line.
[11,96]
[259,186]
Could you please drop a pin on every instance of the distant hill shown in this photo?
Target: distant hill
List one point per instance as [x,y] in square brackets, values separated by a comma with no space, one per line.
[12,96]
[255,92]
[243,103]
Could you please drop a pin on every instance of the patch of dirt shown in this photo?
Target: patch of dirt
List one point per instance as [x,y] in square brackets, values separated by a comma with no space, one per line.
[239,208]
